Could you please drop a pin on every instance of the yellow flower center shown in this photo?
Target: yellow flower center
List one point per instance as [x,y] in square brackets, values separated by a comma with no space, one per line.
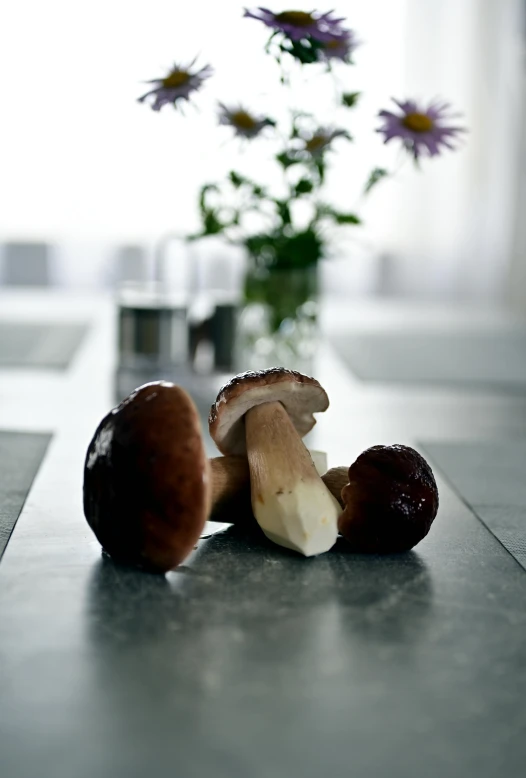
[334,44]
[418,122]
[297,18]
[316,143]
[243,120]
[176,78]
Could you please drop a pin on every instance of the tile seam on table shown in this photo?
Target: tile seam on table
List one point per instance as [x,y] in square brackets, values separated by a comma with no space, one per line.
[471,508]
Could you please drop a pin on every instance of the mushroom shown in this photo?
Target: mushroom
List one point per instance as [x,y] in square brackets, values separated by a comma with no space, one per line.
[146,478]
[391,500]
[265,414]
[389,495]
[335,479]
[230,484]
[147,483]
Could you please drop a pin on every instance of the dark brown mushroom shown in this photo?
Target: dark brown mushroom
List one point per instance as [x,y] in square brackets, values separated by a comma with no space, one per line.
[390,501]
[146,478]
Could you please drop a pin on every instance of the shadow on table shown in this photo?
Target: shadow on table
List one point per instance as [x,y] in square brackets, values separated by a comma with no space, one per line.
[239,582]
[242,638]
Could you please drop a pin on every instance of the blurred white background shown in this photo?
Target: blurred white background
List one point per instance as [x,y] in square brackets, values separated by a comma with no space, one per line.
[86,168]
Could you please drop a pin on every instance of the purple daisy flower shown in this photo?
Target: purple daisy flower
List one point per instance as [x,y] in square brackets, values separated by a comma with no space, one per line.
[297,25]
[177,85]
[245,124]
[340,47]
[322,139]
[423,130]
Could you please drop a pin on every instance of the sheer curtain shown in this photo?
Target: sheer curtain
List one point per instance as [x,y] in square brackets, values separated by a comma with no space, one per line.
[451,231]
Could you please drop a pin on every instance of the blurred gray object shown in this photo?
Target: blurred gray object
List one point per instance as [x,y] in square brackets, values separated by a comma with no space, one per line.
[216,272]
[218,267]
[153,329]
[223,329]
[130,264]
[39,345]
[213,320]
[26,264]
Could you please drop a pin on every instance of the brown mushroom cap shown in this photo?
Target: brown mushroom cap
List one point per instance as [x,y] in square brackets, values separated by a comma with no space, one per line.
[146,485]
[300,395]
[390,501]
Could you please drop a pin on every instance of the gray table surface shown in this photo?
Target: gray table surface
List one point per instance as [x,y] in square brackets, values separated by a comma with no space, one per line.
[489,476]
[20,456]
[249,660]
[50,346]
[471,359]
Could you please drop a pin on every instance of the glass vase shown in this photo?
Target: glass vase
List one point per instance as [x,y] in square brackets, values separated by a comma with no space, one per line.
[278,324]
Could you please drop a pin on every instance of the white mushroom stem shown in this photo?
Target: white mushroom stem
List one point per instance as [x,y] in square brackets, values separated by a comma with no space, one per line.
[291,503]
[230,492]
[230,478]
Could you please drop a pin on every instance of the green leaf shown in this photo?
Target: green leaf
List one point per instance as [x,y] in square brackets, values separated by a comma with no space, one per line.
[339,217]
[304,186]
[236,179]
[319,164]
[283,211]
[286,160]
[210,216]
[305,50]
[346,218]
[286,251]
[301,249]
[268,43]
[349,99]
[376,175]
[212,225]
[203,192]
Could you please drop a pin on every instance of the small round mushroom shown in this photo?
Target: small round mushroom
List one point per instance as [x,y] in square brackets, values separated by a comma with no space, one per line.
[265,415]
[390,501]
[146,478]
